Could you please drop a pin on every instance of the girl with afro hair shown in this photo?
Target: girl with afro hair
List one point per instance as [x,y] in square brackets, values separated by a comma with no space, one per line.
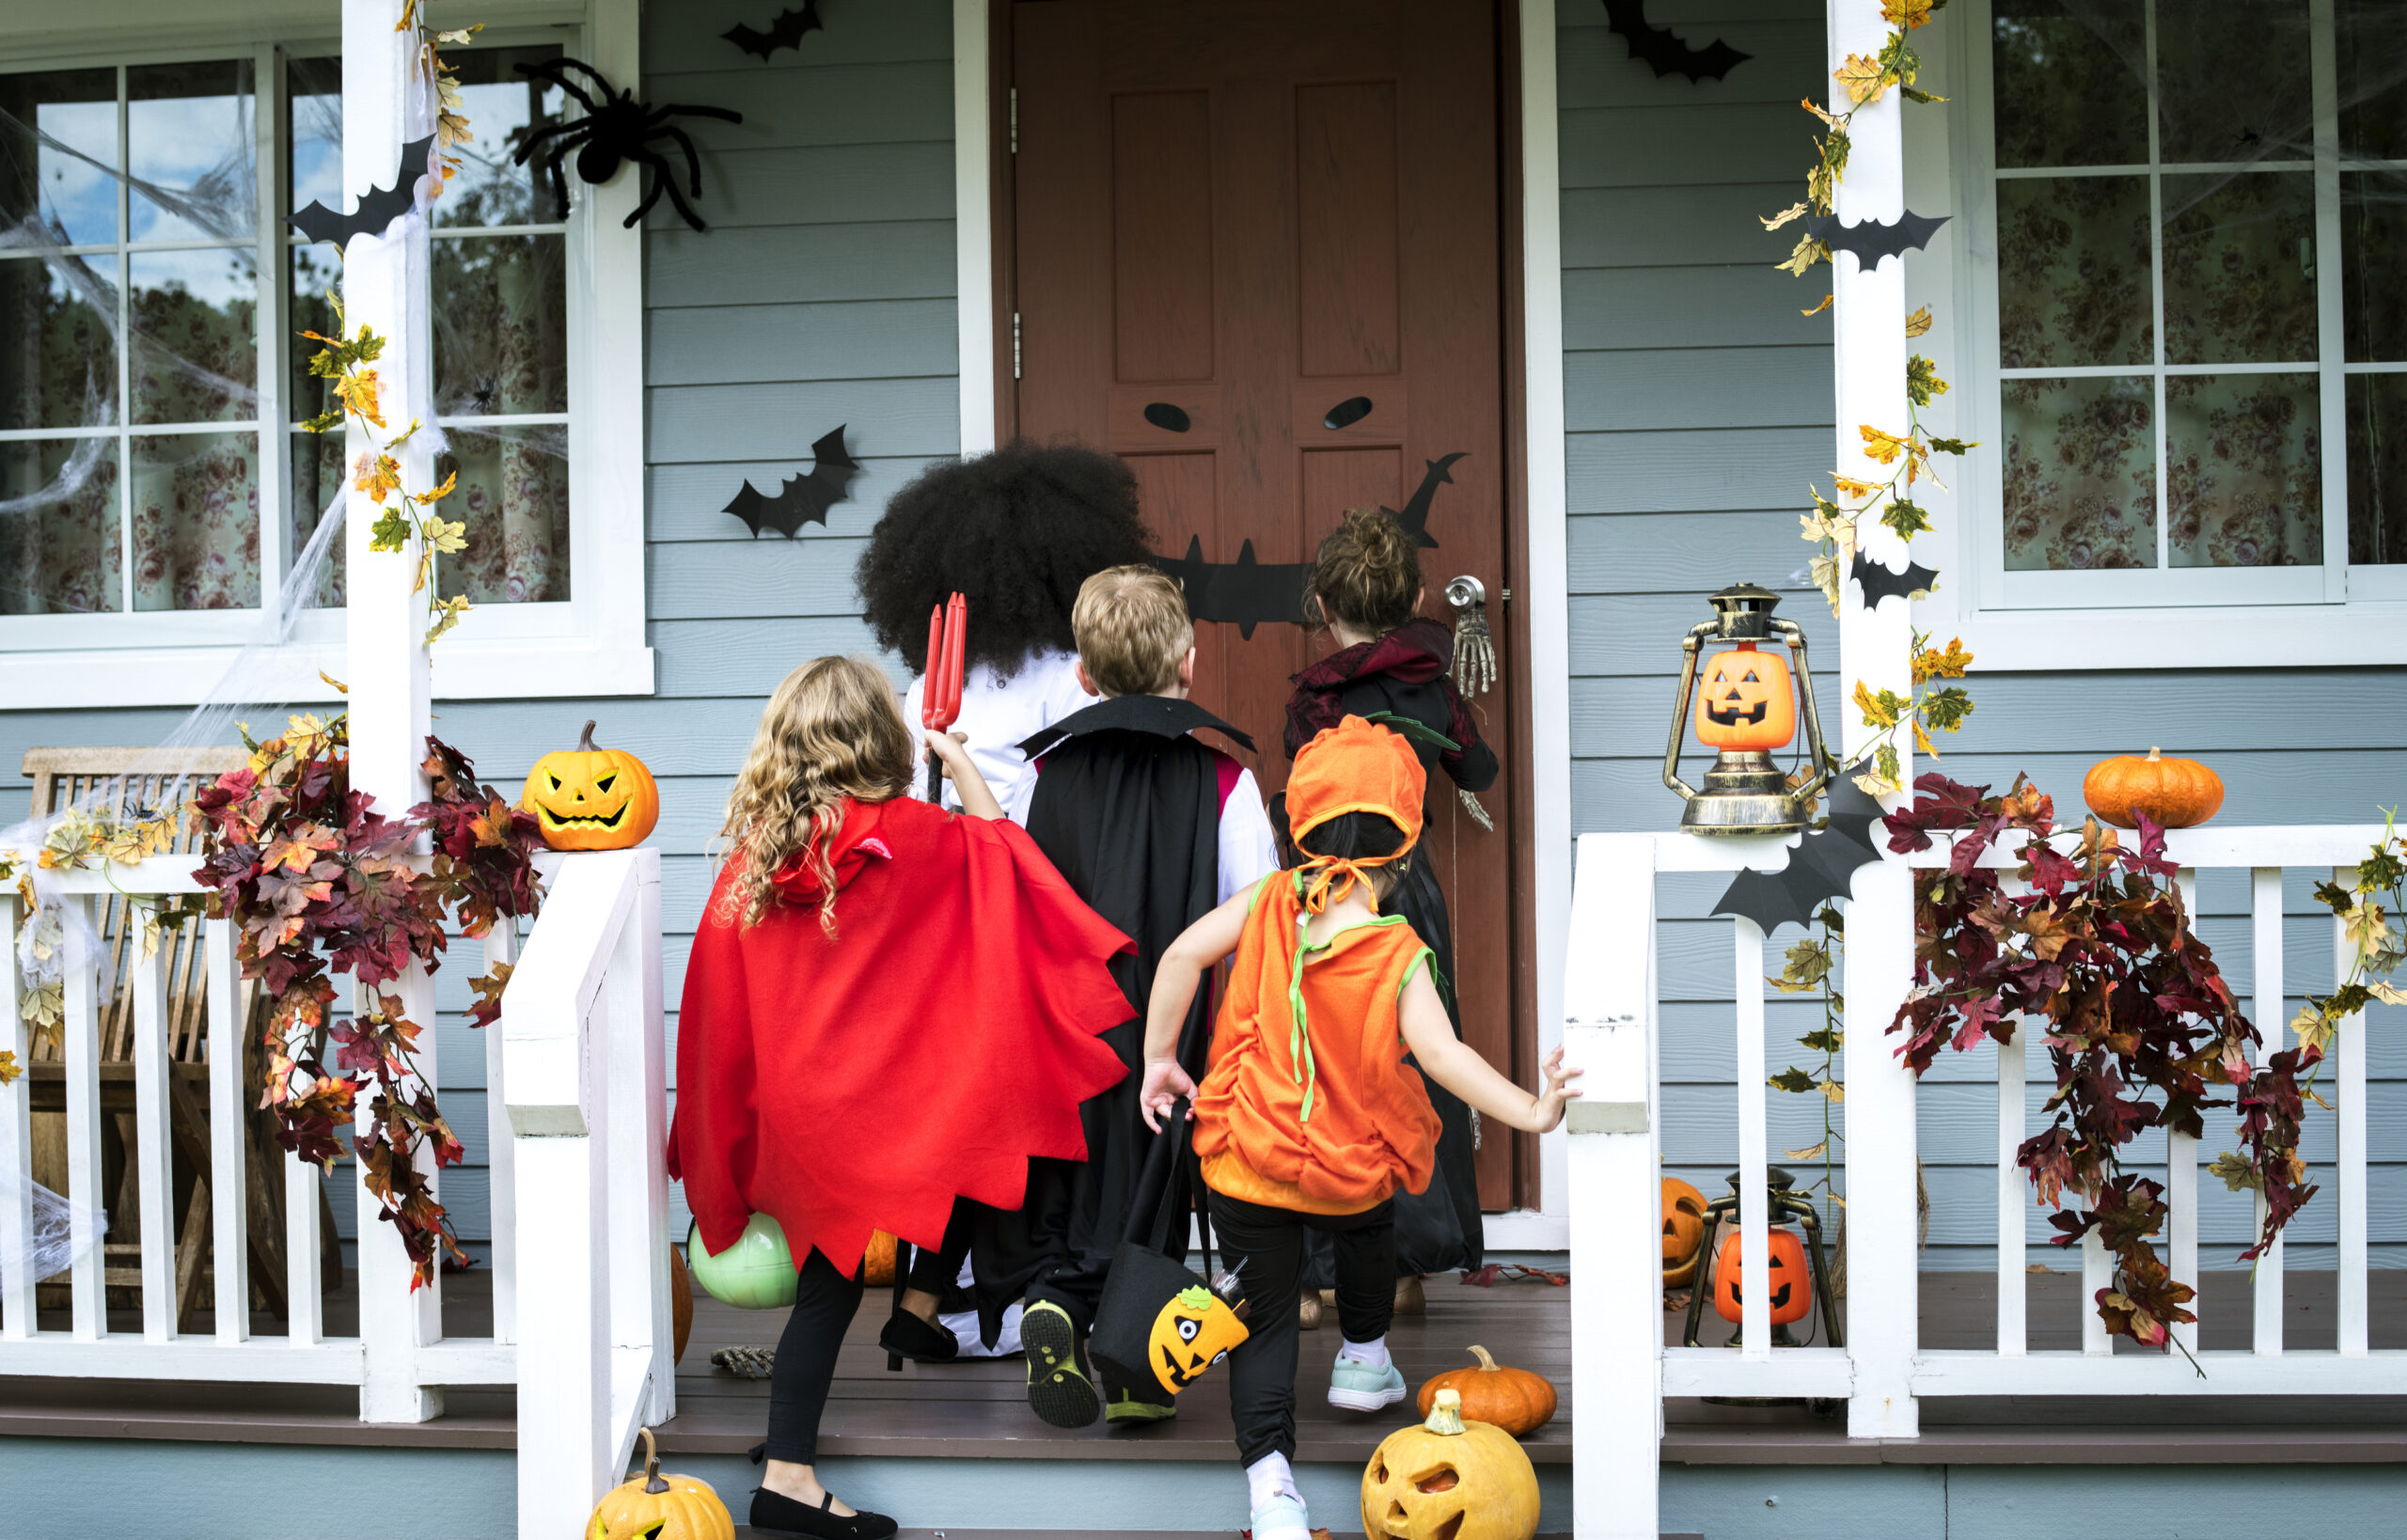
[1016,531]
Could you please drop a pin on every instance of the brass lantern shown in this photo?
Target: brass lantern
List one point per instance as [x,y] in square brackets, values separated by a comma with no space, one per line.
[1746,706]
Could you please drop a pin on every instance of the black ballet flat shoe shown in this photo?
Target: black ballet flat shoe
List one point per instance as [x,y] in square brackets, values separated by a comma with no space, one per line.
[776,1513]
[908,1337]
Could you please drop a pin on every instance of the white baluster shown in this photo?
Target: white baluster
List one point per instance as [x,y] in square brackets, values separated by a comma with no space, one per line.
[638,1181]
[1754,1219]
[501,946]
[304,1293]
[2096,1272]
[153,1155]
[16,1145]
[2265,905]
[80,1049]
[2013,1204]
[2350,1077]
[2182,1171]
[230,1102]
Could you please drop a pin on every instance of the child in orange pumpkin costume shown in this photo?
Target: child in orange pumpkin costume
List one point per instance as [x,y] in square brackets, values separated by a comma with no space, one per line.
[1309,1119]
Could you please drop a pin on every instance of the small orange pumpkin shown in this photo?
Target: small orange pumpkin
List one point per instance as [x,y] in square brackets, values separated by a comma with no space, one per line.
[1745,700]
[1515,1400]
[592,798]
[1792,1289]
[2174,792]
[877,1263]
[655,1507]
[1683,1232]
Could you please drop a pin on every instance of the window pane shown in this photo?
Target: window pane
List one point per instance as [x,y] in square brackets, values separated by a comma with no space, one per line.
[501,326]
[2080,475]
[57,341]
[2073,272]
[191,152]
[2070,87]
[58,526]
[58,156]
[196,340]
[2371,38]
[2243,468]
[313,119]
[2239,269]
[195,521]
[2377,468]
[317,486]
[501,105]
[2373,255]
[514,497]
[2234,81]
[315,270]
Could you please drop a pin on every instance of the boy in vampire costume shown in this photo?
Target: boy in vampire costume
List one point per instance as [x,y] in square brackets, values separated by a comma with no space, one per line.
[1154,829]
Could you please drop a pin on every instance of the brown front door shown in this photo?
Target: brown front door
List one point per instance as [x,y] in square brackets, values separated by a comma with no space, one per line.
[1234,226]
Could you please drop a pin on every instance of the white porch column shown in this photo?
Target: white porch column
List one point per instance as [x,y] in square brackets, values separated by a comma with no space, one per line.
[1869,316]
[385,104]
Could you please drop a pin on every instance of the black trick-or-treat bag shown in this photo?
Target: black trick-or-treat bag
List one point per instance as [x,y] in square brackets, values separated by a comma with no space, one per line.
[1159,1325]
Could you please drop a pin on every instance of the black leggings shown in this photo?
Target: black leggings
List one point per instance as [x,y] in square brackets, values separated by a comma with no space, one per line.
[825,1303]
[1270,1244]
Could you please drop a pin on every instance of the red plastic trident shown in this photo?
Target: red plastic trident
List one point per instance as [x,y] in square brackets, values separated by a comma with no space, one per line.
[940,685]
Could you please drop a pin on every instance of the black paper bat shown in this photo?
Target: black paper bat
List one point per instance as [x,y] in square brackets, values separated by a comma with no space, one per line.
[378,208]
[1871,240]
[1244,593]
[1666,54]
[1822,867]
[804,499]
[785,32]
[1879,583]
[1415,517]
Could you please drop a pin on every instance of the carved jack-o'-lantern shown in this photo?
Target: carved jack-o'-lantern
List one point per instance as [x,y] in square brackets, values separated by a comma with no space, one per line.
[1194,1332]
[1791,1295]
[1449,1479]
[1745,700]
[1683,1232]
[590,798]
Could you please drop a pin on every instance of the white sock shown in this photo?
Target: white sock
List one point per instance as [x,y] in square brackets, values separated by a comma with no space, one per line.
[1270,1477]
[1374,1352]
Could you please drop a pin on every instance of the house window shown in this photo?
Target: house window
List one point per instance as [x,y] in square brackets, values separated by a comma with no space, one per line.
[156,489]
[2198,348]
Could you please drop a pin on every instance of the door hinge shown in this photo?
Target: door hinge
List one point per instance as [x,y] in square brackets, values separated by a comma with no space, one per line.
[1015,344]
[1015,120]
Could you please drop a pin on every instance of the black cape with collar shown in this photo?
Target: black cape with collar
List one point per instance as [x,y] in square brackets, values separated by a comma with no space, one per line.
[1127,808]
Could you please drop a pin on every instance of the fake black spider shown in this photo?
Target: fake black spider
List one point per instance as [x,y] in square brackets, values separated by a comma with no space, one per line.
[616,129]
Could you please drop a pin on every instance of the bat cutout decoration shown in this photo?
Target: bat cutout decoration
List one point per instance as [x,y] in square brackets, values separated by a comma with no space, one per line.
[1879,583]
[1821,866]
[1871,240]
[378,208]
[1415,517]
[785,32]
[803,500]
[1244,593]
[1657,48]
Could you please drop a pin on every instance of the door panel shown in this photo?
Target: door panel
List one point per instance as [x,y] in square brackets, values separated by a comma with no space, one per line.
[1229,219]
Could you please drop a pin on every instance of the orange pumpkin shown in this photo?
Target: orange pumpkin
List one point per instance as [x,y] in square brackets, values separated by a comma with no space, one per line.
[1745,700]
[655,1507]
[877,1263]
[1792,1289]
[1515,1400]
[592,798]
[1683,1232]
[2174,792]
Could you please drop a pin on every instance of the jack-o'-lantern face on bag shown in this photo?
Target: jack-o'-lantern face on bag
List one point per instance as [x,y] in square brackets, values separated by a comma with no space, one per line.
[1745,700]
[1194,1332]
[590,798]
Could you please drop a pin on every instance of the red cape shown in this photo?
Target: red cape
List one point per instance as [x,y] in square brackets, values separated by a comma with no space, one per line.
[947,1034]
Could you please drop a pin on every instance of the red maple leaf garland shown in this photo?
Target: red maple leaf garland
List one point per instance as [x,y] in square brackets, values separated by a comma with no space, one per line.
[318,883]
[2140,1025]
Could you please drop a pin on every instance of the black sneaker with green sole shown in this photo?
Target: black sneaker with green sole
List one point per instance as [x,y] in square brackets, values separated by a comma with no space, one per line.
[1059,1388]
[1127,1410]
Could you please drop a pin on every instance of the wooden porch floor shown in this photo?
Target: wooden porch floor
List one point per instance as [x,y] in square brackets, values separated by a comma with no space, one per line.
[975,1409]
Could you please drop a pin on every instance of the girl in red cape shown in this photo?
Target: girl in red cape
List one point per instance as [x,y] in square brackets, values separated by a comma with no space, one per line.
[890,1009]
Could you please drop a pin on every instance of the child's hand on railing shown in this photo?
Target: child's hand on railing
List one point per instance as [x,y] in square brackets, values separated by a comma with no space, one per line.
[1165,1082]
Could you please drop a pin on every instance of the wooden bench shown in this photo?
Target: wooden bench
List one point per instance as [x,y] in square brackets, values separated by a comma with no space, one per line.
[62,776]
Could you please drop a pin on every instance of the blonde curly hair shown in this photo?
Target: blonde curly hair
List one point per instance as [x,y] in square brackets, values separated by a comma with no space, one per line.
[832,731]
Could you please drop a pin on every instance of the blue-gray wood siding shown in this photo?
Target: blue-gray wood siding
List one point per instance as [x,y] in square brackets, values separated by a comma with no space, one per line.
[1698,404]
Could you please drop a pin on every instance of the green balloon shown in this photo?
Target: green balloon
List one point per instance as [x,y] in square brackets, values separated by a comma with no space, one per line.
[755,1273]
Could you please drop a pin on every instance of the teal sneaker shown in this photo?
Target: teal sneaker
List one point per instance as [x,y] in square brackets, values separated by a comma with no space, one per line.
[1059,1389]
[1356,1386]
[1283,1519]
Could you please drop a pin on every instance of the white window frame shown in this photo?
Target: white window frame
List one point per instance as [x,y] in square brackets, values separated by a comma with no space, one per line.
[591,644]
[2225,617]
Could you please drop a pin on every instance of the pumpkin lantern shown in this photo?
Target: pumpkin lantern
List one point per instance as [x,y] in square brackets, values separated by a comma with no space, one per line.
[1746,705]
[2174,793]
[1799,1274]
[655,1507]
[1791,1292]
[1515,1400]
[592,798]
[1449,1479]
[1683,1232]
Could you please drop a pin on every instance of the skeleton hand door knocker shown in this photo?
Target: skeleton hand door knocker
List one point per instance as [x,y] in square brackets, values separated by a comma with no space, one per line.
[1474,667]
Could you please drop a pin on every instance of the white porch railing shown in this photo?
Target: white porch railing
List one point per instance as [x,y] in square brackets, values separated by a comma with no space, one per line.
[576,1102]
[1611,1031]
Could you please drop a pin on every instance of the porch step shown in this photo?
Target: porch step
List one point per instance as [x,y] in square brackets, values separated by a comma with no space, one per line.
[745,1532]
